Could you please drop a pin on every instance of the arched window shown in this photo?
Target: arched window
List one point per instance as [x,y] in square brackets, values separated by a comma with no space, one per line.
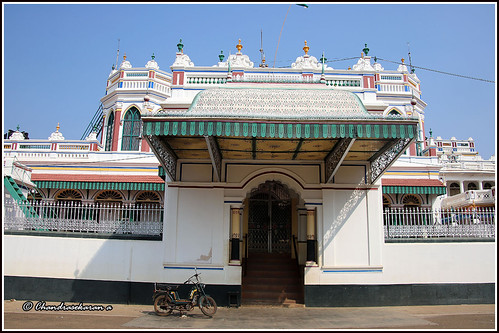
[487,186]
[147,208]
[109,133]
[454,189]
[68,204]
[147,197]
[411,201]
[386,202]
[131,130]
[472,187]
[394,113]
[68,195]
[109,196]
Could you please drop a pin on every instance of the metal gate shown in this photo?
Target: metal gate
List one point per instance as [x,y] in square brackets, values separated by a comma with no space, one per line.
[269,223]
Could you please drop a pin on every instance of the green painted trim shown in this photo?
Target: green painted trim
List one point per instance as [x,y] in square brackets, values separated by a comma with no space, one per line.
[414,190]
[279,129]
[101,185]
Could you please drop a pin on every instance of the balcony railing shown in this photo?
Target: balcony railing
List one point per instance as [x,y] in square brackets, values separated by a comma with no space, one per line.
[420,223]
[125,220]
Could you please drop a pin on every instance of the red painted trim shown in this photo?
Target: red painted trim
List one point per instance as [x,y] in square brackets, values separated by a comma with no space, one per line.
[116,130]
[144,146]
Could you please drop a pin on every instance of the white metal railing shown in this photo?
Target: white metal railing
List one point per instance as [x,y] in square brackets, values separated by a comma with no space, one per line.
[400,223]
[471,197]
[77,217]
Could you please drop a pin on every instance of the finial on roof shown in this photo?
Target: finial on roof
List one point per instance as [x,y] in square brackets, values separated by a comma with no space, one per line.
[431,133]
[402,60]
[239,46]
[366,50]
[152,57]
[221,56]
[18,127]
[306,48]
[124,57]
[180,46]
[58,127]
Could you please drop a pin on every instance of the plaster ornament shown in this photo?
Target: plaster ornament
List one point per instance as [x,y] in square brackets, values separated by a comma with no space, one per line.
[17,135]
[402,67]
[125,64]
[113,70]
[183,60]
[91,137]
[364,64]
[152,64]
[377,67]
[307,62]
[56,135]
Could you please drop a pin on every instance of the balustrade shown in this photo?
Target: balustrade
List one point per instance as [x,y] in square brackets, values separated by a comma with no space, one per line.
[407,223]
[76,217]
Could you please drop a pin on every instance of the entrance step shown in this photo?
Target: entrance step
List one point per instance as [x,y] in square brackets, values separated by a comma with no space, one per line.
[273,280]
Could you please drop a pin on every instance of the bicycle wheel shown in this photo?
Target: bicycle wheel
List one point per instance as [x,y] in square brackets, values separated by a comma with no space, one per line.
[161,306]
[208,305]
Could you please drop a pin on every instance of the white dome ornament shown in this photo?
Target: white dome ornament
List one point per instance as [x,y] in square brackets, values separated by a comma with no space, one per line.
[152,64]
[377,66]
[125,64]
[307,61]
[239,59]
[364,63]
[182,60]
[113,70]
[17,135]
[92,136]
[402,67]
[56,135]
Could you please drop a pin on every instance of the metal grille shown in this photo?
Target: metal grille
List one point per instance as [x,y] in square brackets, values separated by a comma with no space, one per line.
[100,218]
[416,222]
[269,223]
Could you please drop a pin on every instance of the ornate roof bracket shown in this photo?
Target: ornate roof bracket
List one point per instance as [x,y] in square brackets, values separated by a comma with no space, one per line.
[297,150]
[253,147]
[165,154]
[336,156]
[384,158]
[215,155]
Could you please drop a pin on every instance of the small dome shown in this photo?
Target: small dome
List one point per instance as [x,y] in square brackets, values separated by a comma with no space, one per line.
[152,64]
[56,135]
[17,136]
[125,64]
[91,137]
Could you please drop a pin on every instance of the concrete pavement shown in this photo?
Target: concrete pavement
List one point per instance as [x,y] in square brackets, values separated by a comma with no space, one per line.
[137,317]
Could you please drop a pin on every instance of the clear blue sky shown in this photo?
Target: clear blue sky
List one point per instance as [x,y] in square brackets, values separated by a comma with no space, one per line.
[57,57]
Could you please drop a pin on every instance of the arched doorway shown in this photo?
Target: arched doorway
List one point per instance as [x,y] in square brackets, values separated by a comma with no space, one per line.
[269,219]
[271,273]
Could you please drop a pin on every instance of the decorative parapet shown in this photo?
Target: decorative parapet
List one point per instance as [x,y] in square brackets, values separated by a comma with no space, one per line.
[469,198]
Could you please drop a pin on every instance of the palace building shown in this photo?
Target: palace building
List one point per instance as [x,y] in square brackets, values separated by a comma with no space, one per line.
[301,185]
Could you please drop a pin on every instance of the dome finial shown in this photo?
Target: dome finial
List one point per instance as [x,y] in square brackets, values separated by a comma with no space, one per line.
[153,56]
[58,127]
[366,50]
[239,46]
[124,57]
[221,56]
[402,60]
[180,46]
[306,48]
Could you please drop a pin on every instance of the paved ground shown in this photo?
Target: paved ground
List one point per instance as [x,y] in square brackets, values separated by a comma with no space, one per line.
[136,317]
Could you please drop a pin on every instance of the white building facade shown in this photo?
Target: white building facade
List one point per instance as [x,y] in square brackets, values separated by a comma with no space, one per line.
[261,162]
